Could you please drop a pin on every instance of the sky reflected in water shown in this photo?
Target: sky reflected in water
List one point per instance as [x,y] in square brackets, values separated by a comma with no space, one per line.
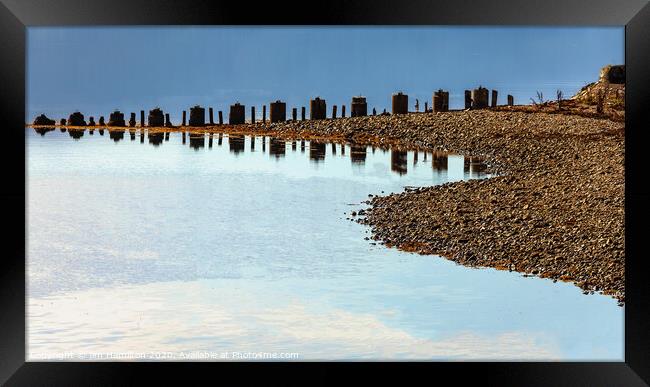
[142,242]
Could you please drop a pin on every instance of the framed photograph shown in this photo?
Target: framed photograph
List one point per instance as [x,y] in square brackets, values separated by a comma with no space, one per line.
[423,188]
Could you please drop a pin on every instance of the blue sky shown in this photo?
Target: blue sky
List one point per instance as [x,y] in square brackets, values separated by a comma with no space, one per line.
[97,69]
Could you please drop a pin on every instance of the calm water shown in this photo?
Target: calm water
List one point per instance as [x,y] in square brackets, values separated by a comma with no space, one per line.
[193,249]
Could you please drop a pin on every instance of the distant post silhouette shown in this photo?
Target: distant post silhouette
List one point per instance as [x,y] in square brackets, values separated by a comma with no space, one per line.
[142,118]
[211,114]
[334,111]
[220,117]
[294,114]
[303,112]
[264,114]
[252,114]
[343,111]
[511,100]
[494,98]
[184,121]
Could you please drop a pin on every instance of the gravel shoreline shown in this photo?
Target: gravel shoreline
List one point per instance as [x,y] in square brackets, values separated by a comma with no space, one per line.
[555,210]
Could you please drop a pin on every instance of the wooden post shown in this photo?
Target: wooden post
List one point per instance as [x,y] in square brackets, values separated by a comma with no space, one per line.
[426,106]
[142,118]
[211,113]
[334,111]
[494,98]
[294,114]
[468,99]
[511,100]
[184,117]
[264,114]
[252,114]
[220,118]
[303,113]
[343,111]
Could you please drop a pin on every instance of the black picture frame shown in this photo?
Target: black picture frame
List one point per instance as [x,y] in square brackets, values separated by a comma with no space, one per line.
[17,15]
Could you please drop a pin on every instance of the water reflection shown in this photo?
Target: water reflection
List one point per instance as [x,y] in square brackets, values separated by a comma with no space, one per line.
[116,135]
[439,161]
[473,167]
[155,138]
[398,161]
[197,141]
[328,293]
[277,147]
[236,143]
[316,151]
[42,131]
[76,133]
[358,154]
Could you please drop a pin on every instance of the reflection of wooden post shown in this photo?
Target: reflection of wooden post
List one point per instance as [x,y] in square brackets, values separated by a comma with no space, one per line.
[343,111]
[303,113]
[511,100]
[183,135]
[264,114]
[334,111]
[211,113]
[220,117]
[142,118]
[294,114]
[494,98]
[252,114]
[184,117]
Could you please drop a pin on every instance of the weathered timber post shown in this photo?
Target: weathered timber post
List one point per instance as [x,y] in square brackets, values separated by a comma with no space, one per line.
[303,113]
[468,99]
[494,98]
[237,114]
[511,100]
[334,111]
[400,103]
[220,118]
[317,109]
[211,114]
[142,118]
[252,114]
[440,101]
[294,114]
[479,98]
[343,111]
[197,116]
[184,121]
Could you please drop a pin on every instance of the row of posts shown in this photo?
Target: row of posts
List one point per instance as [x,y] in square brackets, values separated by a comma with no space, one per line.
[474,99]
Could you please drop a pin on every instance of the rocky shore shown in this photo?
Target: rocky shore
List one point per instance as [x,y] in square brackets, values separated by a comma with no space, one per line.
[555,208]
